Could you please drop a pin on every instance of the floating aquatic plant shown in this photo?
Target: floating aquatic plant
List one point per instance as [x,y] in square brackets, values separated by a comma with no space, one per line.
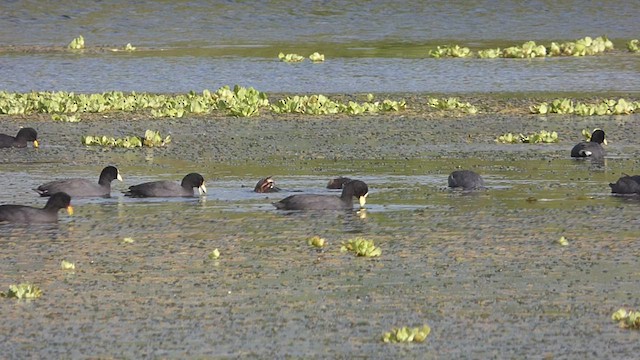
[66,265]
[316,57]
[452,103]
[316,241]
[151,139]
[23,291]
[563,241]
[528,50]
[633,45]
[128,240]
[567,106]
[290,57]
[321,105]
[77,43]
[361,247]
[215,254]
[450,51]
[540,137]
[65,118]
[406,334]
[489,53]
[628,319]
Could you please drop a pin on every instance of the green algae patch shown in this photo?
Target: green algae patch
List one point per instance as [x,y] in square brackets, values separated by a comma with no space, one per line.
[406,334]
[23,291]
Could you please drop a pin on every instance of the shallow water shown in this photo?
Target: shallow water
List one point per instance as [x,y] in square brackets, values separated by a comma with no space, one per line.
[373,46]
[483,269]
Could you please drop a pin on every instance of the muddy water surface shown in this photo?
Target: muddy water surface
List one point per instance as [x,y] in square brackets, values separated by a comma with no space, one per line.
[482,269]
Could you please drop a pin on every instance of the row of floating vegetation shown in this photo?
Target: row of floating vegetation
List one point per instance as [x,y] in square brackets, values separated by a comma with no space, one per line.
[247,102]
[530,49]
[586,46]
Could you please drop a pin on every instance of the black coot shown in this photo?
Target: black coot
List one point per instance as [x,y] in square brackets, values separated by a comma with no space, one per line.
[354,188]
[24,136]
[83,187]
[592,148]
[466,179]
[166,188]
[28,214]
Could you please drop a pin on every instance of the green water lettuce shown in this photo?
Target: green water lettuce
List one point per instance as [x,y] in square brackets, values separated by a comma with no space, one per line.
[606,107]
[540,137]
[628,319]
[361,247]
[77,43]
[23,291]
[316,241]
[66,265]
[455,51]
[406,334]
[452,103]
[290,58]
[633,45]
[151,139]
[321,105]
[316,57]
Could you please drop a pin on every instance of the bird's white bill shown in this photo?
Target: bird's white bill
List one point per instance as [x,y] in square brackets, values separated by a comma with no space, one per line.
[605,142]
[363,199]
[202,189]
[119,177]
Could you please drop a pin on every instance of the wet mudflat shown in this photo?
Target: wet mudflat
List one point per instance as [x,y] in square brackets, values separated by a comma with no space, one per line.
[483,269]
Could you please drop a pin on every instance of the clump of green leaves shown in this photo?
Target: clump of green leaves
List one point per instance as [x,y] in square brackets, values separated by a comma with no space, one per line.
[290,58]
[489,53]
[316,241]
[128,240]
[452,103]
[67,265]
[151,139]
[455,51]
[77,43]
[65,118]
[215,254]
[540,137]
[563,241]
[567,106]
[361,247]
[241,101]
[321,105]
[628,319]
[316,57]
[23,291]
[129,47]
[406,334]
[581,47]
[633,45]
[528,49]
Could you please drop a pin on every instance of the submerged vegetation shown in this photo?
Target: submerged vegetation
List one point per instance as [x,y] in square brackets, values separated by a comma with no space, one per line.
[406,334]
[23,291]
